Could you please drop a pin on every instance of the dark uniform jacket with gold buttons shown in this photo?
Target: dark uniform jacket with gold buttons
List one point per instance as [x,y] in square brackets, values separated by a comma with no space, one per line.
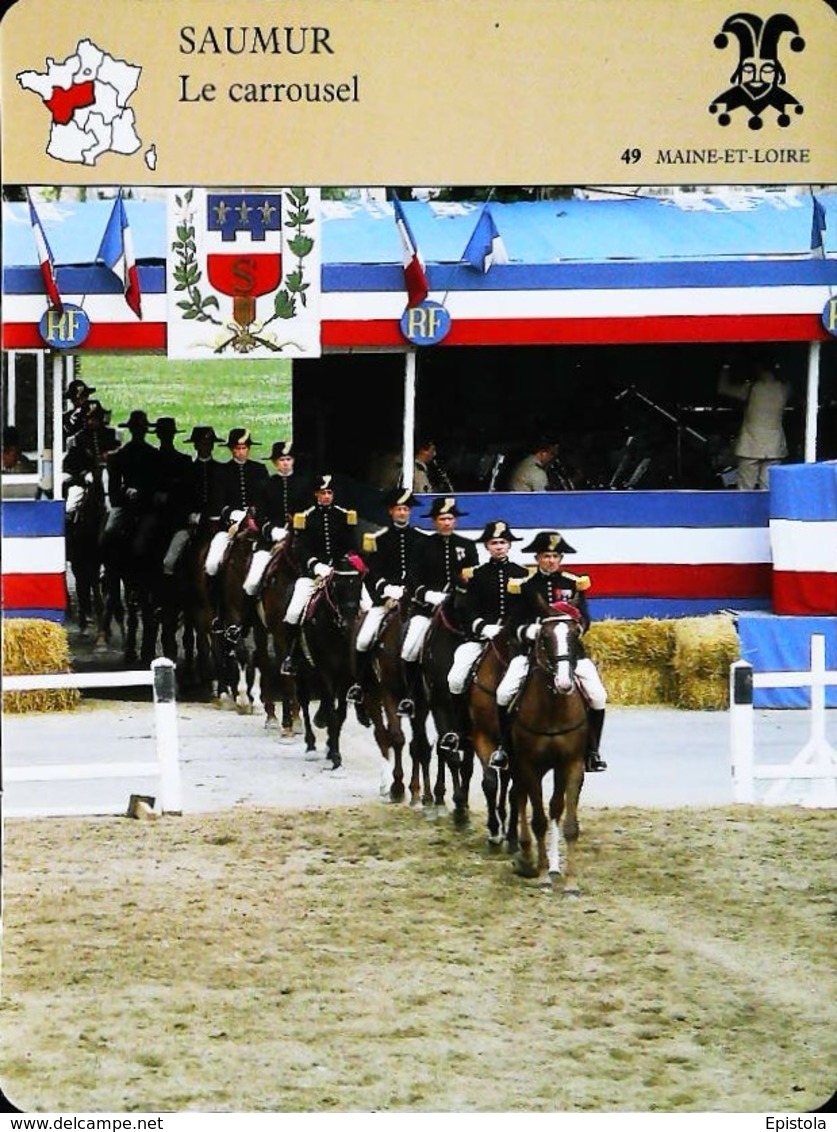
[541,590]
[203,486]
[439,562]
[241,484]
[323,534]
[389,554]
[136,465]
[284,497]
[492,594]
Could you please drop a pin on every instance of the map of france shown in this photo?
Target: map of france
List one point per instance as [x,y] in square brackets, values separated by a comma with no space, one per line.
[87,98]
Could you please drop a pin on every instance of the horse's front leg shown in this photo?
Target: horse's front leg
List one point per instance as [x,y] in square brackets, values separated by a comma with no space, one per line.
[571,793]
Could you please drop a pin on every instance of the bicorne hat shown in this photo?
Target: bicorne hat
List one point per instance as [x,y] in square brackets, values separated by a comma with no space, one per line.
[445,505]
[240,436]
[399,497]
[203,432]
[78,386]
[137,420]
[281,448]
[549,540]
[165,426]
[497,528]
[324,482]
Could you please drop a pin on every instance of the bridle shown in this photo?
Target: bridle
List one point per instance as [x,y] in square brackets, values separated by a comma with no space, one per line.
[548,662]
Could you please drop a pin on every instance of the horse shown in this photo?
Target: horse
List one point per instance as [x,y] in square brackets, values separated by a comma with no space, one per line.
[548,730]
[276,589]
[242,672]
[453,746]
[132,577]
[186,602]
[486,732]
[383,696]
[84,518]
[325,639]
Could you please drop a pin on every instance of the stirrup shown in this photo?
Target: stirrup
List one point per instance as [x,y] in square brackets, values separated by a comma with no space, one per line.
[355,694]
[499,759]
[288,667]
[593,763]
[406,708]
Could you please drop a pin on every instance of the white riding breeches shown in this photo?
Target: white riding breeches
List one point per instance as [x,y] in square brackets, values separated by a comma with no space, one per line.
[585,671]
[369,628]
[303,589]
[416,632]
[591,683]
[256,571]
[217,552]
[176,548]
[75,496]
[515,674]
[464,660]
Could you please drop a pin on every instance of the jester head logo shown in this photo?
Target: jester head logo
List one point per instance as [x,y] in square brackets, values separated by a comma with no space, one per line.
[758,82]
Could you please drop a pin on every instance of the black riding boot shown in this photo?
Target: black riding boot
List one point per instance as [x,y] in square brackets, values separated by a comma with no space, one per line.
[595,723]
[356,692]
[407,706]
[500,758]
[289,664]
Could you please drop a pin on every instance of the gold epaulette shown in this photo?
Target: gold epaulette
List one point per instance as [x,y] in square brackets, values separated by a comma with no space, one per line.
[300,519]
[351,518]
[467,573]
[582,581]
[513,586]
[370,542]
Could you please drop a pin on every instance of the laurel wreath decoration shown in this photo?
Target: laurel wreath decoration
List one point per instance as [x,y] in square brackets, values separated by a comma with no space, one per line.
[301,245]
[187,273]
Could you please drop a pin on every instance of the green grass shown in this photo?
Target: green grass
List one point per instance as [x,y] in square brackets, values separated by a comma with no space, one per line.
[225,394]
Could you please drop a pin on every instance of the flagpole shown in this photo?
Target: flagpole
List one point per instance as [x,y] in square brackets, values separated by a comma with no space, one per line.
[408,462]
[812,401]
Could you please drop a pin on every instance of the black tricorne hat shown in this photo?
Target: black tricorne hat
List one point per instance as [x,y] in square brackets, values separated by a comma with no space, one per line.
[400,497]
[549,540]
[445,505]
[498,528]
[280,448]
[240,436]
[138,419]
[203,432]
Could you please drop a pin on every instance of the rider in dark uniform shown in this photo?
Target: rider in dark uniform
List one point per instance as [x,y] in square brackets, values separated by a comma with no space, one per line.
[203,478]
[287,491]
[241,482]
[323,534]
[78,394]
[134,478]
[550,584]
[88,450]
[435,575]
[388,554]
[493,588]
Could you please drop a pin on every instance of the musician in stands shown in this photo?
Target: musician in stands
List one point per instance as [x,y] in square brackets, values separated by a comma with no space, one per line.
[429,477]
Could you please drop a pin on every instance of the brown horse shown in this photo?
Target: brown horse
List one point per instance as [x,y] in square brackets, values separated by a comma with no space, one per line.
[549,733]
[454,751]
[486,733]
[382,698]
[186,602]
[243,671]
[276,589]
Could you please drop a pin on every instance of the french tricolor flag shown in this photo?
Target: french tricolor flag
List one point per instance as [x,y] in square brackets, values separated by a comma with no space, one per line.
[45,259]
[485,246]
[415,278]
[116,252]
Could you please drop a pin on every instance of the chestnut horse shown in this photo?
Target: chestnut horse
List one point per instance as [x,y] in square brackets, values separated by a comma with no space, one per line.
[450,715]
[383,697]
[276,589]
[485,730]
[326,643]
[549,733]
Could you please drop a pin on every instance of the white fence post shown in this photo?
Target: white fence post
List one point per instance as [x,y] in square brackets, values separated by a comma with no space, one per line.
[165,719]
[741,730]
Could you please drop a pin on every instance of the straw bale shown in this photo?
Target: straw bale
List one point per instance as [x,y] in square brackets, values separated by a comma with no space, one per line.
[704,649]
[633,659]
[34,646]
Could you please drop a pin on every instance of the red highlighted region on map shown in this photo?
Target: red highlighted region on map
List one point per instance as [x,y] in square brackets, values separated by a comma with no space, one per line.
[64,103]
